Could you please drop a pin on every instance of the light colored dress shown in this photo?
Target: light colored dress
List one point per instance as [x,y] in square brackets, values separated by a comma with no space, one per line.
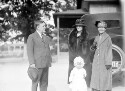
[77,79]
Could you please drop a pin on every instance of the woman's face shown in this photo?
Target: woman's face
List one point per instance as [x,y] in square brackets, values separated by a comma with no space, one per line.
[79,28]
[101,28]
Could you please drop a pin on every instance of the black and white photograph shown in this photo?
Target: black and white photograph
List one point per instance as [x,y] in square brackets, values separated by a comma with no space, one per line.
[62,45]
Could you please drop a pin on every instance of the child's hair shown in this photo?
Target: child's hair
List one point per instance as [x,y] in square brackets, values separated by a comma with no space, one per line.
[79,61]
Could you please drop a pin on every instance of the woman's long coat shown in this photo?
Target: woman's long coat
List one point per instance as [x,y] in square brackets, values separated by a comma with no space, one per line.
[101,78]
[80,47]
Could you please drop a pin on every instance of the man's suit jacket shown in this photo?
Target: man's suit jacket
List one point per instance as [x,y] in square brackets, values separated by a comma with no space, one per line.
[38,50]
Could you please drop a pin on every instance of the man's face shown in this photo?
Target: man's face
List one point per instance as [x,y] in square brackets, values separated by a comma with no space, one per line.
[41,27]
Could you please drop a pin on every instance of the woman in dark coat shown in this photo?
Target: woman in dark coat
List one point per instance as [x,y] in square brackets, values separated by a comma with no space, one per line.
[79,45]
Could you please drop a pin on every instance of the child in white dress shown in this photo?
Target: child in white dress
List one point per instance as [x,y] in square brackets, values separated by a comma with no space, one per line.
[77,76]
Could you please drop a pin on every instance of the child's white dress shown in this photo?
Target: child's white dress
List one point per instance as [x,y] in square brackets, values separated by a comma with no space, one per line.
[77,79]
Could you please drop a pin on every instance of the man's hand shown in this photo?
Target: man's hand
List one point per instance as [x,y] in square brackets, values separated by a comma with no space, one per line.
[70,82]
[108,67]
[33,66]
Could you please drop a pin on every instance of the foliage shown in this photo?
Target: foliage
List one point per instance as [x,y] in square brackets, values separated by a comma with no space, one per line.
[20,14]
[63,39]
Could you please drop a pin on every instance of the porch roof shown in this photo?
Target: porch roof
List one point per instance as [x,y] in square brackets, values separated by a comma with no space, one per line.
[69,14]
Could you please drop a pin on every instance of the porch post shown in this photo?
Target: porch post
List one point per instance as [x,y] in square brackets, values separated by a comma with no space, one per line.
[58,48]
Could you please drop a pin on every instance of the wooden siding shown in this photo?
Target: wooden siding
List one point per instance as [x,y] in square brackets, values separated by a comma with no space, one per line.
[101,0]
[105,8]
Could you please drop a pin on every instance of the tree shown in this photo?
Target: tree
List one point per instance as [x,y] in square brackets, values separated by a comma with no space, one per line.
[19,15]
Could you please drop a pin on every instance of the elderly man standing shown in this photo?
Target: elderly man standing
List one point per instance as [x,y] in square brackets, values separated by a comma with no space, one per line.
[39,55]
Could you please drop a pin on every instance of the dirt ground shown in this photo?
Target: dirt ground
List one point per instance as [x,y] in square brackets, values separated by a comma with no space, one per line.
[13,75]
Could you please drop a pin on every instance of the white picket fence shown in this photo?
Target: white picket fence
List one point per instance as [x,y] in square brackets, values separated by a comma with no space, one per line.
[11,50]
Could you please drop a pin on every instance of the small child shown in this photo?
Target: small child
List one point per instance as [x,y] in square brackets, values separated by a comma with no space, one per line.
[77,76]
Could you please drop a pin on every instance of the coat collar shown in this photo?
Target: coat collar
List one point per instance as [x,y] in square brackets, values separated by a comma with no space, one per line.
[104,36]
[36,33]
[38,36]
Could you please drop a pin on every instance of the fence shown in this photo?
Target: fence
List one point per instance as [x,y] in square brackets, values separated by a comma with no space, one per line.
[11,50]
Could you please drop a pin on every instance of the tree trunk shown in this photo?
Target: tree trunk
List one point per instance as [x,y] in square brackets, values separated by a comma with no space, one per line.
[25,48]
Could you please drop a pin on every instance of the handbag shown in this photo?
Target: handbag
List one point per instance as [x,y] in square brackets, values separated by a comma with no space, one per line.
[93,48]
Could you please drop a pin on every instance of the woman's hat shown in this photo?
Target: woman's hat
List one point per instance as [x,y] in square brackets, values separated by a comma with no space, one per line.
[79,22]
[101,24]
[33,73]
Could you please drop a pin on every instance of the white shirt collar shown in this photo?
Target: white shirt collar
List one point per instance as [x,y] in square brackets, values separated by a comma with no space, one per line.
[39,33]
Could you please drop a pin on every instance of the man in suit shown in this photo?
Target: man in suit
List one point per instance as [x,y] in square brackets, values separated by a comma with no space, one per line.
[39,55]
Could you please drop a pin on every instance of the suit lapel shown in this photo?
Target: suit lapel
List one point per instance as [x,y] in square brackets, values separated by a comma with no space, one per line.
[38,37]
